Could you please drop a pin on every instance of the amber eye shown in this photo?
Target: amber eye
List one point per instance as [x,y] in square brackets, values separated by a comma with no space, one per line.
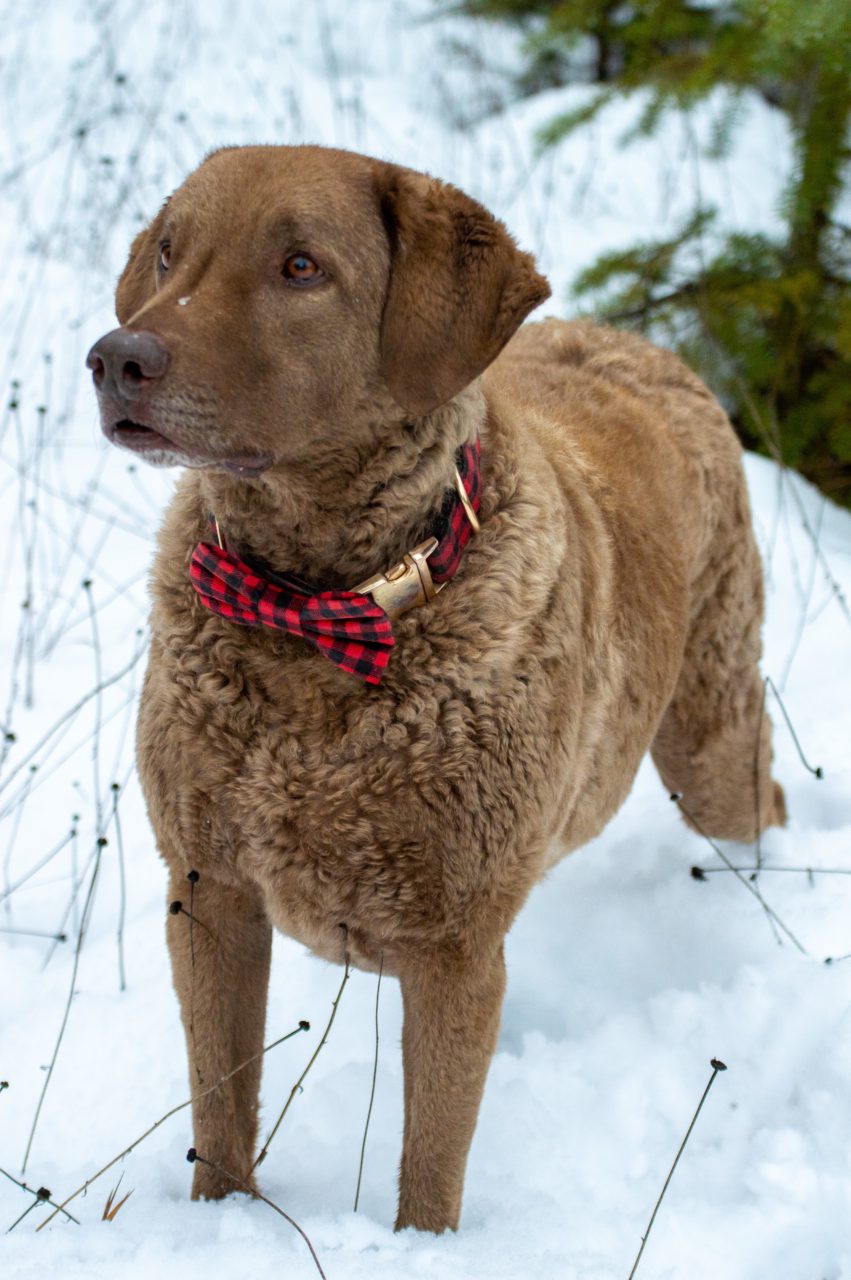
[165,255]
[299,269]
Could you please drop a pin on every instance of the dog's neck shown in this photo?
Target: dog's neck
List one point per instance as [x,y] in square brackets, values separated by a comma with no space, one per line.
[344,513]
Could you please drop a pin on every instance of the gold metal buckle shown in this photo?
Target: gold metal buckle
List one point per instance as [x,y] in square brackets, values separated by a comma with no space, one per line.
[466,503]
[405,586]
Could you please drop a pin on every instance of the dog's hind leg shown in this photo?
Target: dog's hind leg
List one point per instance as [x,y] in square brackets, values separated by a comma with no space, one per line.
[221,972]
[452,1008]
[713,745]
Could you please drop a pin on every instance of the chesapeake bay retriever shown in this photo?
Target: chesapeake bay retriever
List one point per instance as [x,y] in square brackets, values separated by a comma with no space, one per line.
[316,337]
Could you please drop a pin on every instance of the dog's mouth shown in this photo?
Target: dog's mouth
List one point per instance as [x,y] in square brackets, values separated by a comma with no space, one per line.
[135,435]
[146,440]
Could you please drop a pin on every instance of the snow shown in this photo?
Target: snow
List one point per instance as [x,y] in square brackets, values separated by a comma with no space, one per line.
[626,975]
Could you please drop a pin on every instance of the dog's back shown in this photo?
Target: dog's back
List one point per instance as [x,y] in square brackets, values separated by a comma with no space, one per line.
[630,424]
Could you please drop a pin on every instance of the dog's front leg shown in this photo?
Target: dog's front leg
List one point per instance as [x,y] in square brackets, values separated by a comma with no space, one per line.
[452,1008]
[220,964]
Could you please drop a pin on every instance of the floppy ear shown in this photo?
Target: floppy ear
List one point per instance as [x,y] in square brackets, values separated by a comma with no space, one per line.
[459,288]
[137,281]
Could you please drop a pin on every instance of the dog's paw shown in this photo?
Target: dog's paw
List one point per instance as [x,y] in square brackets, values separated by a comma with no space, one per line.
[214,1183]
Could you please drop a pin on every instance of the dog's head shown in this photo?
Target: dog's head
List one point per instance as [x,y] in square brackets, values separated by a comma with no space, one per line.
[282,293]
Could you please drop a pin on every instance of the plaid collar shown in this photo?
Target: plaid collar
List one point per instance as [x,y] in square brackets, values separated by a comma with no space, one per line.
[351,628]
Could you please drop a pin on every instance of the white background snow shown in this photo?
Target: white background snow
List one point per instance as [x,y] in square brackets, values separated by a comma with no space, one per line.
[626,975]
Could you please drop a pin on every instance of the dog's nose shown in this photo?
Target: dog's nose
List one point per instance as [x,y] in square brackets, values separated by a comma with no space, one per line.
[126,361]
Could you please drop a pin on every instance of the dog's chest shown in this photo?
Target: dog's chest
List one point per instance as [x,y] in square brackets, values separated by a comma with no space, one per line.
[388,810]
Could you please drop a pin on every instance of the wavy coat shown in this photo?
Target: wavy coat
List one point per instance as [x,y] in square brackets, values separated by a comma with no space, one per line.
[611,604]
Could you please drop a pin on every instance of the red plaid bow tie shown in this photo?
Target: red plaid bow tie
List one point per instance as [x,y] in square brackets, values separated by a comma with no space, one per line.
[350,629]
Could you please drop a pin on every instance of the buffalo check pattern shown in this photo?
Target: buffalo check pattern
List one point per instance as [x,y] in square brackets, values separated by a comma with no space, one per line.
[453,529]
[349,629]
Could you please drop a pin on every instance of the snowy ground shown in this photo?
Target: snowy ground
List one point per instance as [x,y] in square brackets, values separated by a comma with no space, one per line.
[626,975]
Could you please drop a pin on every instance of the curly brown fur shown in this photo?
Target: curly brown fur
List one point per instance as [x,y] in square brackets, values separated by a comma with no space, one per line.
[612,603]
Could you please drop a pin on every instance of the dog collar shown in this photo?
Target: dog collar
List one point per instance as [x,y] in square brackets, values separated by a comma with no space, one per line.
[426,569]
[351,628]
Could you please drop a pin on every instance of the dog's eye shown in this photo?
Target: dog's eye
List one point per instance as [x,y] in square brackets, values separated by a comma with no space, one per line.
[300,269]
[165,255]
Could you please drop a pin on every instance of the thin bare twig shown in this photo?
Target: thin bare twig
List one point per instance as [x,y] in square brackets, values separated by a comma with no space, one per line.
[699,872]
[372,1090]
[816,770]
[302,1026]
[36,933]
[42,1195]
[38,866]
[122,886]
[177,908]
[81,934]
[772,915]
[192,1155]
[193,880]
[756,788]
[72,712]
[297,1086]
[717,1066]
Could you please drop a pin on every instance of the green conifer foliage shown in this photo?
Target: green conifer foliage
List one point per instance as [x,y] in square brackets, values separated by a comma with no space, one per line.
[766,320]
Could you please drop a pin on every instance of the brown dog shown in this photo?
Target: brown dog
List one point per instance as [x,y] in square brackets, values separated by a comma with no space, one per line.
[305,331]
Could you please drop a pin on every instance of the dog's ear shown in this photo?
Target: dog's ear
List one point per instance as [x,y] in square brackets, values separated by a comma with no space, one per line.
[137,281]
[459,288]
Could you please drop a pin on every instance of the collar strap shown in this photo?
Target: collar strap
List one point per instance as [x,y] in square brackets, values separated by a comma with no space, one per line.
[426,569]
[351,628]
